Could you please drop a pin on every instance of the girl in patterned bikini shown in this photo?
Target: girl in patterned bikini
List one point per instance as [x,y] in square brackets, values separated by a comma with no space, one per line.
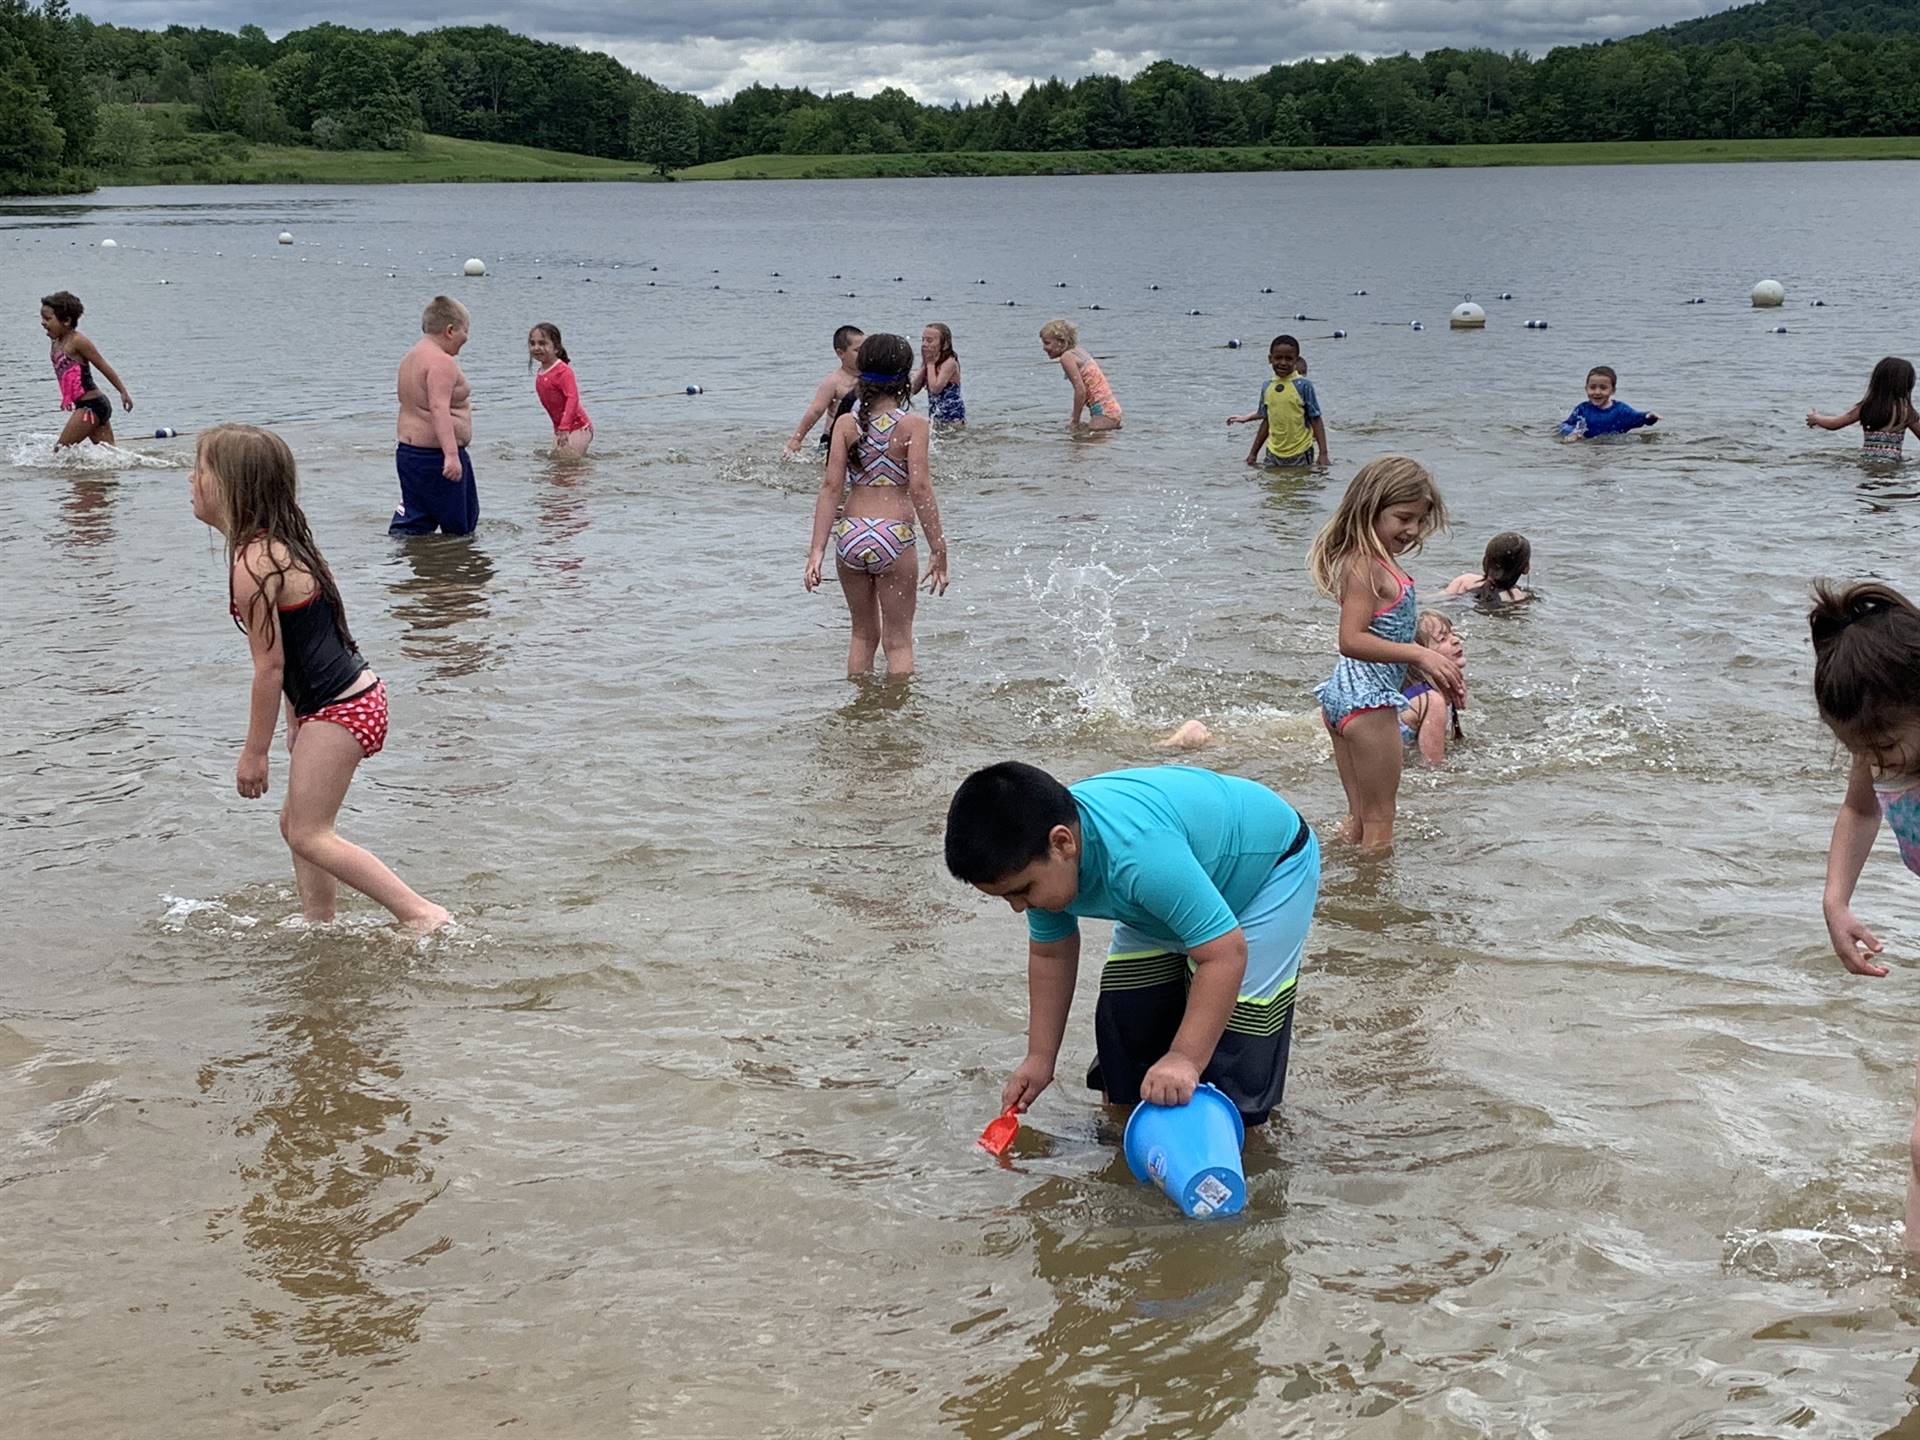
[1866,681]
[1390,507]
[1885,413]
[878,457]
[283,598]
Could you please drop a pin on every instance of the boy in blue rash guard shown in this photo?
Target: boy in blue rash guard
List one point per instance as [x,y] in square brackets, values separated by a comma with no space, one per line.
[1601,414]
[1211,881]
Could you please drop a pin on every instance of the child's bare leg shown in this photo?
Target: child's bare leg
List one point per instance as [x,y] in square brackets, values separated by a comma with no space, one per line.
[324,759]
[863,605]
[1343,762]
[899,594]
[1190,736]
[1103,422]
[576,441]
[319,891]
[1374,755]
[80,426]
[103,433]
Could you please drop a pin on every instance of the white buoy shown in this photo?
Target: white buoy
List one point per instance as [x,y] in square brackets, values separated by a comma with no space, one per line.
[1339,334]
[1768,293]
[1778,330]
[1359,292]
[695,390]
[1233,344]
[286,237]
[475,266]
[1417,325]
[1266,289]
[1193,312]
[1506,294]
[1536,324]
[1467,316]
[109,244]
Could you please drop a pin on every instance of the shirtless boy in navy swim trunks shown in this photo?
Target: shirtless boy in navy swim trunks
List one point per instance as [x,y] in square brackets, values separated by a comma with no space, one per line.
[435,427]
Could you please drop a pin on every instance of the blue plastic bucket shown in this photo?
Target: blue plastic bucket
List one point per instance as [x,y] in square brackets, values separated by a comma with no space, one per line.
[1191,1151]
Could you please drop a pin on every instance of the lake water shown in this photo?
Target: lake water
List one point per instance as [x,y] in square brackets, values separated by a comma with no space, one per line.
[1586,1134]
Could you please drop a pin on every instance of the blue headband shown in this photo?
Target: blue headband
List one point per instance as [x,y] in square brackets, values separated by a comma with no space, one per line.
[875,377]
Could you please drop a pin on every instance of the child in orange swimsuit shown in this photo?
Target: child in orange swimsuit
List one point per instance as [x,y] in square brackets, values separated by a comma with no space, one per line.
[1091,392]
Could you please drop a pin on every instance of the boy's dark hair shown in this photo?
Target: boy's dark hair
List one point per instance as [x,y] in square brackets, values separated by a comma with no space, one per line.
[1606,370]
[1866,663]
[844,336]
[1508,557]
[1889,397]
[65,305]
[1000,818]
[1283,340]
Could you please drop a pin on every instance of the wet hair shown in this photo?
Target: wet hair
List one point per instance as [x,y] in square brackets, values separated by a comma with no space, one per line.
[67,309]
[1509,556]
[443,312]
[1866,664]
[947,352]
[254,472]
[552,332]
[845,336]
[1606,370]
[1000,818]
[1280,340]
[1380,484]
[1888,403]
[1431,626]
[1061,330]
[880,355]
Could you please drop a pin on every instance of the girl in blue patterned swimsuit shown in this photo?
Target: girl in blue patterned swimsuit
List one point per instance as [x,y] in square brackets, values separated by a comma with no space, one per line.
[940,376]
[1389,509]
[1866,680]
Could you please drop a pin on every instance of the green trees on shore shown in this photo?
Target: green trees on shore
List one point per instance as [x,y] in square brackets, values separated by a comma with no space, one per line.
[74,93]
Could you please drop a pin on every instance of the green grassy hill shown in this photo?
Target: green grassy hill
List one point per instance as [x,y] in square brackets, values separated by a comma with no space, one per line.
[438,158]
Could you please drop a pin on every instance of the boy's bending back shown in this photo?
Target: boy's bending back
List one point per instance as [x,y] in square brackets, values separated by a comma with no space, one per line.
[1211,880]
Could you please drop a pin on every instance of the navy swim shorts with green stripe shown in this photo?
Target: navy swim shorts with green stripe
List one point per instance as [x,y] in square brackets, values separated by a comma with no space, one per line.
[1143,996]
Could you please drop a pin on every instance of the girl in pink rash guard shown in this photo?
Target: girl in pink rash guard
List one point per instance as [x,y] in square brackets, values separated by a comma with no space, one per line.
[572,430]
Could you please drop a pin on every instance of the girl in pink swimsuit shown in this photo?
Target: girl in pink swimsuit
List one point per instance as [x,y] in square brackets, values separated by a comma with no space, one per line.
[1091,392]
[572,429]
[75,358]
[1866,680]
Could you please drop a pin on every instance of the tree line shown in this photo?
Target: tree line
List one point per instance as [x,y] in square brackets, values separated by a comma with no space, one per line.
[75,94]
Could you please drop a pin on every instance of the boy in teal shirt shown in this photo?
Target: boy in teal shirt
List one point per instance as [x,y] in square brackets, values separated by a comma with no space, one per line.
[1288,412]
[1211,880]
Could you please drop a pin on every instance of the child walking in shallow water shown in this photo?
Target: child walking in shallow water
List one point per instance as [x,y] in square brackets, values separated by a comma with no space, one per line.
[572,429]
[1885,413]
[1091,392]
[283,598]
[878,456]
[1389,509]
[75,358]
[1866,681]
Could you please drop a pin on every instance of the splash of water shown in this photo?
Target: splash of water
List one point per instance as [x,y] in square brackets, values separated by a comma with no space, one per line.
[34,451]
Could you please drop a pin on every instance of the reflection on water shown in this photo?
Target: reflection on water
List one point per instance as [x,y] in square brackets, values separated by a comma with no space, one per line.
[341,1166]
[563,501]
[1153,1332]
[87,510]
[443,601]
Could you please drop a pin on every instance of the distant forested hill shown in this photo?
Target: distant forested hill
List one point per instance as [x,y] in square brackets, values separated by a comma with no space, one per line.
[1773,20]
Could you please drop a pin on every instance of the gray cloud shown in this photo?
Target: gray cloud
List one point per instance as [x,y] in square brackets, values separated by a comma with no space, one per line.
[966,49]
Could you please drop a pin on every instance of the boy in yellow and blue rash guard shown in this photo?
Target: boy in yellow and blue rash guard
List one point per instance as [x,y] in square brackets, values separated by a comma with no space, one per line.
[1211,880]
[1288,412]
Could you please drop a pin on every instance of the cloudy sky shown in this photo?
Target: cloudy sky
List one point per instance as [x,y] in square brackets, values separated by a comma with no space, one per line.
[943,50]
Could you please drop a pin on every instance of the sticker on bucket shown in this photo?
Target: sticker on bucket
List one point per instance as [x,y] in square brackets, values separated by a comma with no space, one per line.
[1213,1193]
[1157,1165]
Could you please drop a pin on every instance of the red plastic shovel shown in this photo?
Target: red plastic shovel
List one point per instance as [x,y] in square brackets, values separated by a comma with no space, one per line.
[1000,1131]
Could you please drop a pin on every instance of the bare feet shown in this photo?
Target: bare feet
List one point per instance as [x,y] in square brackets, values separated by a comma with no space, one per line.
[1190,736]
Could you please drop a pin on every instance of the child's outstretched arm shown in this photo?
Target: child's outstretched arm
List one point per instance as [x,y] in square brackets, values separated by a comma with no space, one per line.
[91,354]
[1817,421]
[1052,968]
[920,491]
[1853,831]
[827,504]
[256,592]
[821,403]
